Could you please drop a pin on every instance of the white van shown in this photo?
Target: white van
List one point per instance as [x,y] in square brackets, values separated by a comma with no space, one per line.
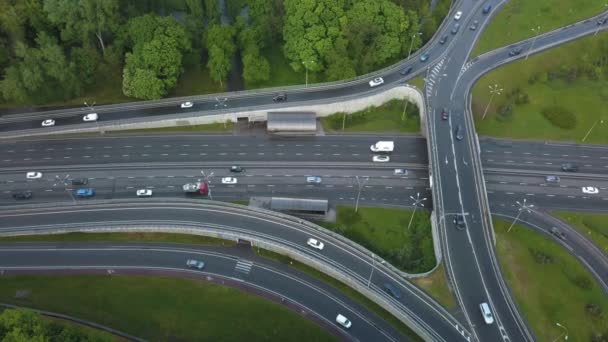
[383,146]
[486,313]
[343,321]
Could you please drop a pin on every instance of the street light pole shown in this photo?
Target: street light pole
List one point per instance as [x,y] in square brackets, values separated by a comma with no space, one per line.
[592,127]
[537,31]
[65,182]
[372,272]
[564,333]
[522,207]
[417,201]
[360,186]
[306,67]
[221,103]
[494,90]
[412,43]
[207,180]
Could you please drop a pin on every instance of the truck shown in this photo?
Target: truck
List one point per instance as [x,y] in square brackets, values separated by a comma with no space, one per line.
[383,146]
[196,188]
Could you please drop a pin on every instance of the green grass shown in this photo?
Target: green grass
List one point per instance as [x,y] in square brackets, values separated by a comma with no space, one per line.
[594,226]
[418,82]
[384,232]
[163,309]
[385,118]
[436,285]
[585,97]
[517,17]
[349,291]
[123,237]
[549,285]
[94,334]
[212,127]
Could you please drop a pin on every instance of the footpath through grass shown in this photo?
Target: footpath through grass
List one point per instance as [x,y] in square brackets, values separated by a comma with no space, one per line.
[121,237]
[559,94]
[594,226]
[516,19]
[389,117]
[163,309]
[551,286]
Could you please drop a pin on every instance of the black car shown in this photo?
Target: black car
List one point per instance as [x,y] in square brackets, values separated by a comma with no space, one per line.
[569,167]
[392,290]
[236,168]
[24,195]
[473,26]
[515,52]
[80,181]
[459,222]
[444,114]
[443,40]
[459,133]
[455,28]
[558,233]
[602,21]
[280,97]
[487,9]
[406,71]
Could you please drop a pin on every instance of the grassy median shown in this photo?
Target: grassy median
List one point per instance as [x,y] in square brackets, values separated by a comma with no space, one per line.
[163,309]
[559,94]
[551,286]
[516,19]
[594,226]
[386,118]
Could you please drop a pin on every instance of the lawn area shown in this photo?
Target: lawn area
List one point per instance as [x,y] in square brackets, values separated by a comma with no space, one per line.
[550,286]
[385,232]
[347,290]
[436,285]
[557,95]
[594,226]
[386,118]
[121,237]
[163,309]
[517,17]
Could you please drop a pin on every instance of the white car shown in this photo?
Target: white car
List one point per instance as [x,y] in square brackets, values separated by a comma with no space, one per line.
[90,117]
[144,193]
[343,321]
[486,313]
[313,179]
[33,175]
[381,159]
[314,243]
[48,123]
[458,15]
[229,180]
[400,172]
[376,82]
[187,104]
[590,190]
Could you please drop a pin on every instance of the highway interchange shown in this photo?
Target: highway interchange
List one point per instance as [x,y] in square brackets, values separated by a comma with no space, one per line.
[511,171]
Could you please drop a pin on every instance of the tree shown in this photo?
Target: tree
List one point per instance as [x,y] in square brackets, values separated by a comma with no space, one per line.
[256,67]
[378,31]
[311,30]
[21,325]
[152,69]
[221,48]
[82,19]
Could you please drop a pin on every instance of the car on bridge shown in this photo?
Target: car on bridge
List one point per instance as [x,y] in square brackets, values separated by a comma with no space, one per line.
[515,52]
[392,290]
[90,117]
[424,57]
[406,71]
[48,123]
[590,190]
[314,243]
[143,193]
[486,313]
[376,82]
[187,104]
[280,97]
[455,28]
[343,321]
[458,15]
[198,264]
[443,39]
[33,175]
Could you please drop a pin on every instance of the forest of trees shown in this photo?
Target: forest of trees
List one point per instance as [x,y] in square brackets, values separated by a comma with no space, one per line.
[54,50]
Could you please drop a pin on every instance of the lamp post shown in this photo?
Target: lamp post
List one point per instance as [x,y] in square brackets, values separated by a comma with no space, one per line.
[537,32]
[360,185]
[564,333]
[306,67]
[592,127]
[494,90]
[372,272]
[65,181]
[412,43]
[522,207]
[221,103]
[417,202]
[207,180]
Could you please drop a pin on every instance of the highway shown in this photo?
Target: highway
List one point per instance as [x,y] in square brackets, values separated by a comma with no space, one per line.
[231,221]
[233,266]
[511,170]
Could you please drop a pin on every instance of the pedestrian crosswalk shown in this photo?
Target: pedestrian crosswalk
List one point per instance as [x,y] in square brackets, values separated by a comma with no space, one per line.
[243,266]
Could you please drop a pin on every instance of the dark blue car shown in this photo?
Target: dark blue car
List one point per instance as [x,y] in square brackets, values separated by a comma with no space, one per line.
[87,192]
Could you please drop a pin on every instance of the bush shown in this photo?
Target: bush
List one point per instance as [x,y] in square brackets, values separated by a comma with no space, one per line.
[505,112]
[559,117]
[593,309]
[541,257]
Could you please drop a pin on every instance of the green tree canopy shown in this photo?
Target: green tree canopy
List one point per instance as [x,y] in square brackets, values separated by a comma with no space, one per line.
[221,48]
